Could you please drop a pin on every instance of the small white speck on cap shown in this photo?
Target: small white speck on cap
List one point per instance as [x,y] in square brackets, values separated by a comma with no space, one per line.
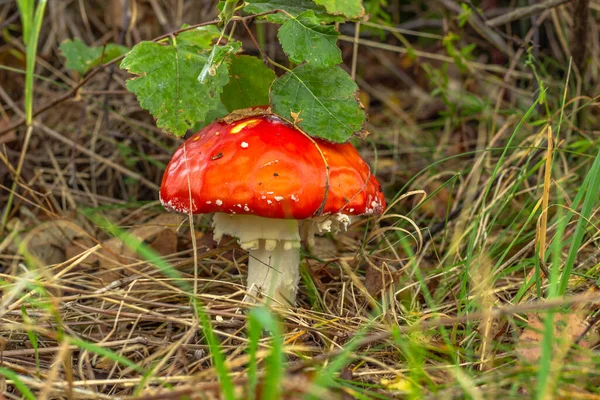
[209,202]
[295,198]
[239,205]
[278,198]
[269,202]
[219,202]
[246,208]
[244,145]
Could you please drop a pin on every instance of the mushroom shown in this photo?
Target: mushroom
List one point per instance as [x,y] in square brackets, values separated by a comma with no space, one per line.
[266,181]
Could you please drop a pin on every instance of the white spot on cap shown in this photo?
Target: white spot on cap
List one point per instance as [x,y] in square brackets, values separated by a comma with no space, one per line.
[246,208]
[209,202]
[269,202]
[278,198]
[293,197]
[239,205]
[263,197]
[218,202]
[270,192]
[351,210]
[244,145]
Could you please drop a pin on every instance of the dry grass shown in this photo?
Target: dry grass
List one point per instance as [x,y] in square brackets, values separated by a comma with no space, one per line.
[430,300]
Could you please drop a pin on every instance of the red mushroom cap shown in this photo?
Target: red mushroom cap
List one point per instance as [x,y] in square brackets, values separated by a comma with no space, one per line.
[264,166]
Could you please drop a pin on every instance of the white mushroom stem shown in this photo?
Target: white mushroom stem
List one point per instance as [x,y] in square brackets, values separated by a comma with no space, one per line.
[274,273]
[274,250]
[274,254]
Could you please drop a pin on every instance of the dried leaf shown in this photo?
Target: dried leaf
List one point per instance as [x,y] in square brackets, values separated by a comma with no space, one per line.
[165,242]
[46,243]
[569,326]
[159,233]
[147,232]
[376,279]
[373,281]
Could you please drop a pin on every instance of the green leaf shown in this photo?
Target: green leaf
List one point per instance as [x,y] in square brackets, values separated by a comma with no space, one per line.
[227,10]
[303,38]
[82,58]
[249,83]
[321,101]
[465,14]
[211,116]
[168,84]
[352,9]
[292,7]
[218,55]
[202,36]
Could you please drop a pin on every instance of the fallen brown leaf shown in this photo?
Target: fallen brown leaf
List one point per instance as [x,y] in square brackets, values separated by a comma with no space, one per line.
[568,326]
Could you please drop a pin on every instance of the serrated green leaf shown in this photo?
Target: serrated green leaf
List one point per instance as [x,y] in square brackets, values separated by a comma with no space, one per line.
[202,36]
[303,38]
[217,56]
[249,83]
[82,58]
[350,8]
[168,84]
[322,102]
[292,7]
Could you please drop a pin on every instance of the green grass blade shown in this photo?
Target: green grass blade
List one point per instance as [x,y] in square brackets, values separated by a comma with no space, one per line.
[254,334]
[592,194]
[227,387]
[32,43]
[326,376]
[32,335]
[31,31]
[31,54]
[26,11]
[13,376]
[261,318]
[547,345]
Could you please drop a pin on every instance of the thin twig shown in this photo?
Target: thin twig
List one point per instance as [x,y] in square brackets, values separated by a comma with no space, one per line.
[524,12]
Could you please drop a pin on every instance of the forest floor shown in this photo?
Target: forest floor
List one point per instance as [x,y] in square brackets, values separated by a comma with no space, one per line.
[481,280]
